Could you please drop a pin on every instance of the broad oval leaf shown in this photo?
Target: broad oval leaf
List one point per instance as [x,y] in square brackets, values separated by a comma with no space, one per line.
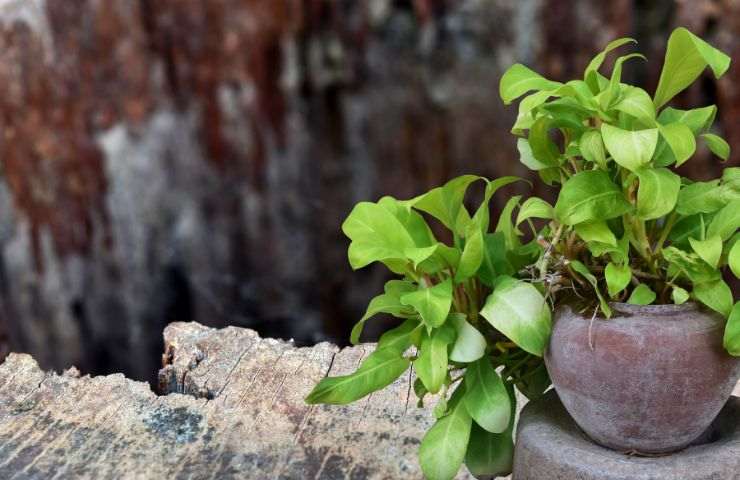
[489,455]
[526,157]
[697,119]
[519,311]
[388,302]
[543,148]
[717,145]
[402,337]
[658,192]
[442,449]
[617,278]
[377,371]
[630,149]
[715,295]
[679,295]
[642,295]
[432,303]
[686,57]
[726,222]
[596,231]
[700,197]
[680,139]
[732,332]
[733,259]
[431,364]
[637,102]
[486,397]
[534,207]
[592,147]
[470,344]
[518,80]
[590,195]
[710,249]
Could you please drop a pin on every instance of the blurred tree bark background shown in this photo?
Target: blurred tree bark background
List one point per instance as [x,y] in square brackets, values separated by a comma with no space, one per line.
[175,160]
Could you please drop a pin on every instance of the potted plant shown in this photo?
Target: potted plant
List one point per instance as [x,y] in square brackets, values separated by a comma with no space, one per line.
[625,233]
[633,257]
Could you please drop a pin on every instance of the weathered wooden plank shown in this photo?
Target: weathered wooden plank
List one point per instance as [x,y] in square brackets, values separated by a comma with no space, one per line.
[242,416]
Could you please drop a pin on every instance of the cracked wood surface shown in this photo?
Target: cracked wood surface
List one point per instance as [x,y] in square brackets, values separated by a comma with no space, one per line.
[234,409]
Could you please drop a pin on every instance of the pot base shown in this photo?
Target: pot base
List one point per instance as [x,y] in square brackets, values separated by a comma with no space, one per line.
[550,446]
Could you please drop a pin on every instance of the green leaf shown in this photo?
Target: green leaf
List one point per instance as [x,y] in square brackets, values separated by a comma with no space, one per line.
[658,192]
[489,455]
[486,397]
[680,139]
[709,250]
[518,80]
[472,256]
[377,371]
[679,295]
[431,364]
[733,259]
[590,195]
[717,145]
[543,148]
[686,57]
[617,278]
[592,147]
[432,303]
[582,270]
[630,149]
[612,92]
[388,302]
[715,295]
[534,207]
[596,62]
[637,102]
[402,337]
[526,157]
[495,261]
[519,311]
[506,226]
[596,231]
[697,119]
[642,295]
[376,235]
[470,344]
[445,203]
[700,197]
[726,222]
[442,449]
[732,332]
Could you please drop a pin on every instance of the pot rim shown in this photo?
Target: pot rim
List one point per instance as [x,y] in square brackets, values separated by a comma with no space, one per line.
[661,309]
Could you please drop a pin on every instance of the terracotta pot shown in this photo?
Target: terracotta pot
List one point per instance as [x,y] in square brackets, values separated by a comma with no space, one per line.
[650,379]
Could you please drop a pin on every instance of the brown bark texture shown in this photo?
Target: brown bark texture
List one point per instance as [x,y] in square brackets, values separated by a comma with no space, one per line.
[174,160]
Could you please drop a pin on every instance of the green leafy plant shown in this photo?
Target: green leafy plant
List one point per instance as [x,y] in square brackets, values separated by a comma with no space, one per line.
[627,227]
[475,311]
[469,327]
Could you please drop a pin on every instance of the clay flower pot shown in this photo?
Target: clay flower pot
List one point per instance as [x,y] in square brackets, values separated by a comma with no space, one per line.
[649,380]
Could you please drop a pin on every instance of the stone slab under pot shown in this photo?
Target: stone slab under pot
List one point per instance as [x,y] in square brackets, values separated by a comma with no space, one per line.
[651,379]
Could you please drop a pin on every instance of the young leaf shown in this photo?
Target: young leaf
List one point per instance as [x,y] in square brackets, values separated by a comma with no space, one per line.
[733,259]
[388,302]
[612,92]
[596,62]
[495,260]
[527,157]
[402,337]
[637,102]
[485,396]
[686,57]
[657,193]
[470,344]
[443,447]
[582,270]
[680,139]
[715,295]
[732,332]
[472,255]
[519,311]
[445,203]
[717,145]
[506,226]
[489,455]
[534,207]
[596,231]
[431,364]
[518,80]
[432,303]
[617,278]
[642,295]
[726,221]
[592,147]
[700,197]
[630,149]
[377,371]
[709,250]
[679,295]
[697,119]
[376,235]
[590,195]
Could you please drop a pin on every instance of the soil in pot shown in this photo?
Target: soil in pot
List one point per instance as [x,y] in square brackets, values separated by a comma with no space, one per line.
[649,380]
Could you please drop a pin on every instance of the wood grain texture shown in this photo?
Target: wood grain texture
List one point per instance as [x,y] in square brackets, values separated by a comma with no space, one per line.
[236,411]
